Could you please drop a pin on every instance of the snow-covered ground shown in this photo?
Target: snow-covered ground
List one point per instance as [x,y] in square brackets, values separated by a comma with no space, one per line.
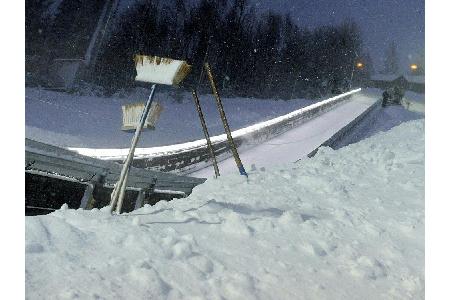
[385,118]
[69,120]
[298,142]
[414,101]
[345,224]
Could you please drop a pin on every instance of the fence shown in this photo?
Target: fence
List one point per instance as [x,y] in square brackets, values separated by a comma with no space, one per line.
[55,162]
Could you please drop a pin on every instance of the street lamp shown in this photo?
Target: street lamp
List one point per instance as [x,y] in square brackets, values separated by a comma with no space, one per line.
[359,65]
[413,67]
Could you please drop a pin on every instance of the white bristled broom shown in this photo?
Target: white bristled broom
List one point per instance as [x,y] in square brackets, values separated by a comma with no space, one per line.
[156,70]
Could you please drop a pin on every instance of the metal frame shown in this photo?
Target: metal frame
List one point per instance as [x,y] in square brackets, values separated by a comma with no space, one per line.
[59,163]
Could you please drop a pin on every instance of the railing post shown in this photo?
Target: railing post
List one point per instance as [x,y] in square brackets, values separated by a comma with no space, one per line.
[140,199]
[143,193]
[87,196]
[87,202]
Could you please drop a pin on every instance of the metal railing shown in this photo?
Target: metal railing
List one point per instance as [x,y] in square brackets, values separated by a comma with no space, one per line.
[55,162]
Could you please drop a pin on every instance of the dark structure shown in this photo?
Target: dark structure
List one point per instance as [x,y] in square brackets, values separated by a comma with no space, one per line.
[393,96]
[55,176]
[414,83]
[61,49]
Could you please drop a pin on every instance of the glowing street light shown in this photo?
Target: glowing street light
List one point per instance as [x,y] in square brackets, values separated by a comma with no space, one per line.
[359,65]
[413,67]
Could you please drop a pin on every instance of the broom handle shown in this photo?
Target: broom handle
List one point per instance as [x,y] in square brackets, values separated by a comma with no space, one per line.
[117,194]
[205,132]
[122,191]
[224,120]
[204,61]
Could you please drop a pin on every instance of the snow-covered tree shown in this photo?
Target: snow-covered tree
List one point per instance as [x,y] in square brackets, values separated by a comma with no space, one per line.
[391,65]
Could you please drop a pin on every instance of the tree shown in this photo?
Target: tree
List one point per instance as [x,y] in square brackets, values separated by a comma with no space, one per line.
[363,69]
[368,63]
[35,26]
[251,55]
[391,65]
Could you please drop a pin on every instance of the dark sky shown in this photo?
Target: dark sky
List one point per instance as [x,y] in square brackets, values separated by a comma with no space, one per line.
[381,21]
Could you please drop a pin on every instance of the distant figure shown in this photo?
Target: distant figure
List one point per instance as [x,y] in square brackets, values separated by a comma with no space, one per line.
[393,96]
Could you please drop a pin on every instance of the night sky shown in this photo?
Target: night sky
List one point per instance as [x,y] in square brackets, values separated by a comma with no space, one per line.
[380,21]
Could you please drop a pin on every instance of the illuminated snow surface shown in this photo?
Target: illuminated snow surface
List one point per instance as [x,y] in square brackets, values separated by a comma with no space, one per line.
[80,121]
[345,224]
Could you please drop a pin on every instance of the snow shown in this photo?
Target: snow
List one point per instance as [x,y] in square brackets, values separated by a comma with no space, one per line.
[95,122]
[416,78]
[119,154]
[391,77]
[414,102]
[345,224]
[298,142]
[164,72]
[384,77]
[384,118]
[416,97]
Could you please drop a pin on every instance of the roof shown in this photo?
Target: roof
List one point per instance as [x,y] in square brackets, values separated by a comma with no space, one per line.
[391,77]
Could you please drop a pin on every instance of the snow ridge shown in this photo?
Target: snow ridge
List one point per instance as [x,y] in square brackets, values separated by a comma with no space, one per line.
[345,224]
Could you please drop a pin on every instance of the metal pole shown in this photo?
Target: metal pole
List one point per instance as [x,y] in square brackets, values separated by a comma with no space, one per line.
[224,120]
[205,132]
[121,184]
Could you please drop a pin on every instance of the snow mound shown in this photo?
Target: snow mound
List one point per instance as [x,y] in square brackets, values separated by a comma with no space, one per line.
[345,224]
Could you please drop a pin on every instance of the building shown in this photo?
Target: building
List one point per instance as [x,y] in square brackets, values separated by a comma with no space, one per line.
[415,83]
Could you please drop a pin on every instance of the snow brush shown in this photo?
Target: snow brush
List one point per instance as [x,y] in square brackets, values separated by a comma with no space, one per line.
[156,70]
[160,70]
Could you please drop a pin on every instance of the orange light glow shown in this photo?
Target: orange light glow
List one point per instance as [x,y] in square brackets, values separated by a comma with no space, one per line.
[360,65]
[414,67]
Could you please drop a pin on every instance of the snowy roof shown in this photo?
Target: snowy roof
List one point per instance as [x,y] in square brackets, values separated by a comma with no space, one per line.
[392,77]
[415,78]
[384,77]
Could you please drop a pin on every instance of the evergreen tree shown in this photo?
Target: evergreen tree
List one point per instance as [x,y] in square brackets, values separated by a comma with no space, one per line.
[251,55]
[35,26]
[391,65]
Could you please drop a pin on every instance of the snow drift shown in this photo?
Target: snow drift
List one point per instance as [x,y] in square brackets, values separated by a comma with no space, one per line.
[346,224]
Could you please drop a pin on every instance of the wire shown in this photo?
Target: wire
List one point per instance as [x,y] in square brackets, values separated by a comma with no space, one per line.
[43,208]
